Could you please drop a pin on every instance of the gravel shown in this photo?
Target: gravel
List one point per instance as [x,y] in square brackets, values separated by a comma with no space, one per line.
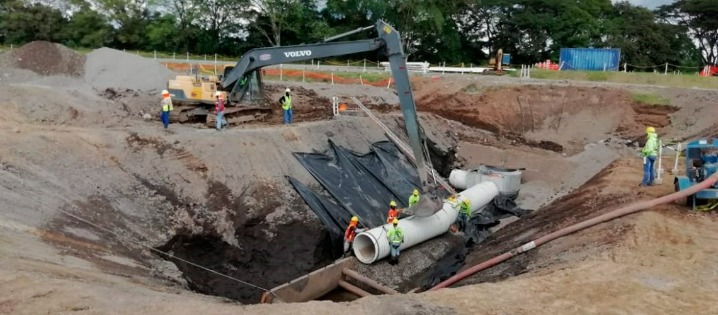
[46,58]
[109,68]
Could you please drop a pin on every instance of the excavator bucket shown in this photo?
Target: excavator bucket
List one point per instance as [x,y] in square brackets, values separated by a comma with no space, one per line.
[428,205]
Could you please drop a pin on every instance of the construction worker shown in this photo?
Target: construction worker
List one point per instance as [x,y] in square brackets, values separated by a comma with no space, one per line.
[166,108]
[350,233]
[649,152]
[219,109]
[393,212]
[286,102]
[464,214]
[414,198]
[396,238]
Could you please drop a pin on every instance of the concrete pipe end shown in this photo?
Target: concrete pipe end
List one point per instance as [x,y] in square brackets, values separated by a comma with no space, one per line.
[365,248]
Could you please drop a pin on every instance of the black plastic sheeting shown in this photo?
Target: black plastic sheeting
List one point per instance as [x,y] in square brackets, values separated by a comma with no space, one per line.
[364,184]
[358,184]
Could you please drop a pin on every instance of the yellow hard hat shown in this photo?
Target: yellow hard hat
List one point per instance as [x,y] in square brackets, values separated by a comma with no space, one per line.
[416,192]
[396,221]
[355,219]
[650,130]
[466,201]
[392,204]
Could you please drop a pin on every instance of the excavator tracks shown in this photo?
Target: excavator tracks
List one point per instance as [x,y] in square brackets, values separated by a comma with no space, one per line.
[240,115]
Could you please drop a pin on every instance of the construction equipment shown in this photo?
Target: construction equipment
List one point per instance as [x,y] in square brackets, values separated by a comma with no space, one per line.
[194,98]
[244,81]
[498,62]
[701,163]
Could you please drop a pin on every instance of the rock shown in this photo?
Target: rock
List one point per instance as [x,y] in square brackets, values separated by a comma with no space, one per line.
[146,116]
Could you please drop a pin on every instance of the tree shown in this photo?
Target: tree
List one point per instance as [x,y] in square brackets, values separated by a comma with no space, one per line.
[644,41]
[219,18]
[87,28]
[271,18]
[700,18]
[21,23]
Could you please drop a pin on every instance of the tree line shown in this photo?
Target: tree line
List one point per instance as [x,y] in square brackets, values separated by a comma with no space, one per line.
[684,33]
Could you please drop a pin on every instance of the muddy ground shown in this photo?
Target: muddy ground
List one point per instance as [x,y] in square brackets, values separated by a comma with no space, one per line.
[69,146]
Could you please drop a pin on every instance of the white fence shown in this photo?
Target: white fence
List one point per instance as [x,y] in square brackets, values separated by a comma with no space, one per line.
[422,67]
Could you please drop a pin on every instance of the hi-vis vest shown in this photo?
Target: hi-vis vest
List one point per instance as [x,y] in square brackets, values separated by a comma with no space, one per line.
[395,236]
[166,104]
[287,103]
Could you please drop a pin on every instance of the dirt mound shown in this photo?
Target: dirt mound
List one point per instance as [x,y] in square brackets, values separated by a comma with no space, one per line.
[46,58]
[553,118]
[109,68]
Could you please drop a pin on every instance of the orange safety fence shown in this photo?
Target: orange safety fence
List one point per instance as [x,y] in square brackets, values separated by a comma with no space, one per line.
[289,73]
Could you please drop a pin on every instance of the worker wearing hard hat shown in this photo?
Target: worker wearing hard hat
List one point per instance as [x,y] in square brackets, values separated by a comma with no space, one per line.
[286,102]
[649,152]
[414,198]
[166,108]
[396,238]
[464,214]
[219,109]
[350,233]
[393,212]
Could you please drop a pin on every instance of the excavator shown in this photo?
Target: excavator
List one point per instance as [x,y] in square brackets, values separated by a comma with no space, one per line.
[243,82]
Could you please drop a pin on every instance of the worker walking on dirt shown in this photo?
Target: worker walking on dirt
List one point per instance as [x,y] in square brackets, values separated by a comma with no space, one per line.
[396,238]
[166,108]
[393,212]
[464,214]
[219,110]
[650,151]
[414,198]
[350,233]
[286,102]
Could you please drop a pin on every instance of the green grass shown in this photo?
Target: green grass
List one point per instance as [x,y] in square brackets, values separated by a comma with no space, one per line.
[651,99]
[688,80]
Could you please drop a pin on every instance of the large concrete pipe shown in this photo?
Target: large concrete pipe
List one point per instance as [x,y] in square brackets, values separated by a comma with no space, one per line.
[373,245]
[508,180]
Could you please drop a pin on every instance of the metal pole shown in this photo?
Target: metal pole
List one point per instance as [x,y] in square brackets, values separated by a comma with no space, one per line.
[659,170]
[188,57]
[666,71]
[332,77]
[280,72]
[174,55]
[364,65]
[388,84]
[215,64]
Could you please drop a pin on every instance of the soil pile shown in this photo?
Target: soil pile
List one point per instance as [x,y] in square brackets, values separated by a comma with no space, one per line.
[46,58]
[109,68]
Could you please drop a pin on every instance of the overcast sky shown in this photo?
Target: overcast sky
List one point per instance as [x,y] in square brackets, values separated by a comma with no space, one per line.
[651,4]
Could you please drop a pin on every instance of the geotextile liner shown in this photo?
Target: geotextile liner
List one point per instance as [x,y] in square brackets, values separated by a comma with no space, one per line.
[362,185]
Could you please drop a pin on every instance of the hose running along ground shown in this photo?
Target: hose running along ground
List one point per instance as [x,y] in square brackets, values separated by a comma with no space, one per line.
[629,209]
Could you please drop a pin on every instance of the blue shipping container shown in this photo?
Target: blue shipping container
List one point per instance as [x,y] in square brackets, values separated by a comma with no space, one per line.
[506,59]
[590,59]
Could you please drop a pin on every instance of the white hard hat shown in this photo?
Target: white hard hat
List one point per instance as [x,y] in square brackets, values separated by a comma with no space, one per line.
[287,90]
[218,93]
[165,92]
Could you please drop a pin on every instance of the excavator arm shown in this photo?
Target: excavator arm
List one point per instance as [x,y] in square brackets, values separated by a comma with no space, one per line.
[388,43]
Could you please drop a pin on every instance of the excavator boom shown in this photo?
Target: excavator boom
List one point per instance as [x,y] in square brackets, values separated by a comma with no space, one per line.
[388,43]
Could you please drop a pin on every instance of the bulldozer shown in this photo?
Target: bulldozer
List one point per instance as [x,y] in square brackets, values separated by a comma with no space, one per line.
[194,97]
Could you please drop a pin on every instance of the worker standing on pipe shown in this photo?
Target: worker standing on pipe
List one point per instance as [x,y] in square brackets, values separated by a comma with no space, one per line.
[396,238]
[350,233]
[464,214]
[650,151]
[393,212]
[414,198]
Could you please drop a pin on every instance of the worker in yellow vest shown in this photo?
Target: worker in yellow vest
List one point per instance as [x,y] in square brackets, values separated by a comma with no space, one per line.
[414,198]
[286,102]
[396,238]
[166,108]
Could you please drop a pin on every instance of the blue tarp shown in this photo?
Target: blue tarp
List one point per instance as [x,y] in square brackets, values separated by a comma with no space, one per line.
[590,59]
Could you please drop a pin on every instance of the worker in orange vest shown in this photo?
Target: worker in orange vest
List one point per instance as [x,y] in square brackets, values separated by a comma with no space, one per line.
[393,212]
[350,233]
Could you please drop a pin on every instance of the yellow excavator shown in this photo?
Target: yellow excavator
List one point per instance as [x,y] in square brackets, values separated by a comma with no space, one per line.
[498,64]
[194,97]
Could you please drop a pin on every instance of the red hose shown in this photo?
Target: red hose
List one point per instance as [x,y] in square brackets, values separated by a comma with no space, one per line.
[629,209]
